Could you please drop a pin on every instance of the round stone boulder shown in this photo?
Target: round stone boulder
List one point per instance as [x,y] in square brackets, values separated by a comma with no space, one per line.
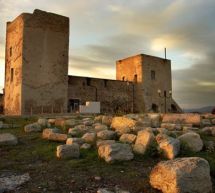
[191,141]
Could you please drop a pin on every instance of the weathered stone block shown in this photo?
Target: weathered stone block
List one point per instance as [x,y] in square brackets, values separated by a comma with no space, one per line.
[187,118]
[8,139]
[115,152]
[182,175]
[122,125]
[68,151]
[128,138]
[144,140]
[192,141]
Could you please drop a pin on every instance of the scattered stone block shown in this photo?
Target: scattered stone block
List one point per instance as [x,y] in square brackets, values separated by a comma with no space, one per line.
[106,135]
[68,151]
[79,130]
[192,141]
[52,135]
[11,182]
[144,140]
[59,122]
[170,146]
[206,122]
[168,126]
[186,118]
[208,131]
[51,121]
[88,122]
[182,175]
[115,152]
[107,120]
[155,119]
[85,146]
[70,122]
[89,138]
[98,119]
[104,142]
[128,138]
[122,125]
[33,127]
[43,122]
[8,139]
[73,140]
[100,127]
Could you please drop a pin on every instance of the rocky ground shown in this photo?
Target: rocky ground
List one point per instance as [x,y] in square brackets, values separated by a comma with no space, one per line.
[89,153]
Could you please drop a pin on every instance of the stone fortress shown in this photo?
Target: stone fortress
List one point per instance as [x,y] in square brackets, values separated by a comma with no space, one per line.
[37,81]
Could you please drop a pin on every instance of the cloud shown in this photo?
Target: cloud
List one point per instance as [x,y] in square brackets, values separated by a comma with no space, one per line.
[195,86]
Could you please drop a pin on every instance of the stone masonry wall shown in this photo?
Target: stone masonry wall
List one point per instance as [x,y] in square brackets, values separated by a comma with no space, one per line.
[130,69]
[115,96]
[45,63]
[13,66]
[162,81]
[149,74]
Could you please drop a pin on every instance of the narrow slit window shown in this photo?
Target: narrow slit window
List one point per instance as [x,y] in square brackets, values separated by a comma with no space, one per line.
[152,75]
[11,51]
[105,83]
[88,81]
[11,74]
[123,78]
[135,78]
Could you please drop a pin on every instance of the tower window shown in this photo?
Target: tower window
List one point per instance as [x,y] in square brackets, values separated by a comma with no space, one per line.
[105,83]
[11,51]
[88,81]
[135,78]
[152,75]
[11,74]
[123,78]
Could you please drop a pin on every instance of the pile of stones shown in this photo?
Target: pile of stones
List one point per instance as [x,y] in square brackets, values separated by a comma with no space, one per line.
[120,138]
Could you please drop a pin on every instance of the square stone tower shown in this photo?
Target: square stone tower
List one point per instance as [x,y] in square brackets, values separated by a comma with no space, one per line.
[36,64]
[152,80]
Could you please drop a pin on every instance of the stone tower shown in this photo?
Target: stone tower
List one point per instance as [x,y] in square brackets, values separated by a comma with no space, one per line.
[151,77]
[36,64]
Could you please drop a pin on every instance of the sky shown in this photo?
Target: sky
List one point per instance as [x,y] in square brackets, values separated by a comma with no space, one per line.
[103,31]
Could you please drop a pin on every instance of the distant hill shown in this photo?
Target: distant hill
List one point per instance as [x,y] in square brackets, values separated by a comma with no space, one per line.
[206,109]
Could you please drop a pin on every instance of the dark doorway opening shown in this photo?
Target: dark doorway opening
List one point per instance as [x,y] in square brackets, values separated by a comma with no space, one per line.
[73,105]
[154,108]
[173,108]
